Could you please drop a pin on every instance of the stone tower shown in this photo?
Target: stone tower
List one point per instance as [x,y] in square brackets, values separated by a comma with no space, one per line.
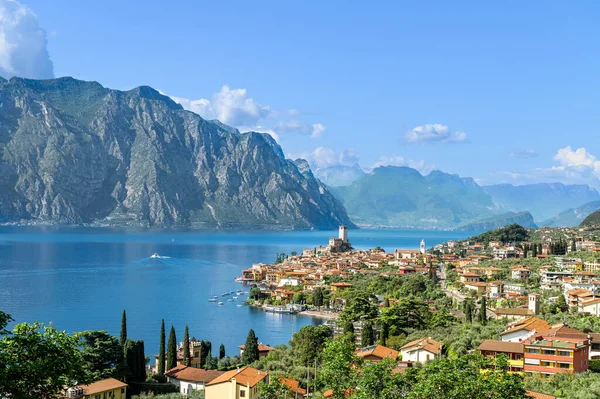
[423,246]
[534,303]
[343,234]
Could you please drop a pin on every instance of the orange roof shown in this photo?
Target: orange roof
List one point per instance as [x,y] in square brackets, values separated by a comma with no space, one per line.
[561,330]
[529,324]
[428,344]
[469,274]
[341,284]
[186,373]
[244,376]
[500,346]
[329,393]
[538,395]
[293,385]
[102,386]
[377,350]
[261,348]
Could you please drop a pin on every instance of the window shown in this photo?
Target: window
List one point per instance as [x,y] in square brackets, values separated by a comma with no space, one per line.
[122,391]
[564,353]
[548,352]
[531,350]
[564,365]
[242,393]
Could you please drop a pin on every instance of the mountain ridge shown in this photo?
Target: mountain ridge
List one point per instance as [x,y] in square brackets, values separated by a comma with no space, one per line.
[75,152]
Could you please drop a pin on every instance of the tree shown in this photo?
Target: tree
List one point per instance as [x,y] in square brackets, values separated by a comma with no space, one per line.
[39,361]
[562,302]
[525,251]
[221,351]
[186,347]
[483,312]
[172,350]
[5,318]
[378,382]
[534,251]
[317,297]
[254,293]
[205,353]
[308,343]
[367,334]
[123,336]
[161,351]
[468,311]
[102,355]
[338,371]
[573,246]
[407,313]
[275,389]
[211,362]
[251,353]
[299,297]
[136,361]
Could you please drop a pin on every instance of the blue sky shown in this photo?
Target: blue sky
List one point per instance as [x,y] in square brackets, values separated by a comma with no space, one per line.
[503,92]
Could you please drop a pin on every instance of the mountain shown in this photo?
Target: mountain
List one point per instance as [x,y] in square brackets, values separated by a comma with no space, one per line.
[75,152]
[543,200]
[401,197]
[572,217]
[339,175]
[524,219]
[592,220]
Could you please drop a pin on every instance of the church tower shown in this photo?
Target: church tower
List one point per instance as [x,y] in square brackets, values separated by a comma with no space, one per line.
[423,246]
[534,303]
[343,234]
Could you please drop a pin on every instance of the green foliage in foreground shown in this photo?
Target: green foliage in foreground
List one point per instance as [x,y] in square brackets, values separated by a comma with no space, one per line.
[567,386]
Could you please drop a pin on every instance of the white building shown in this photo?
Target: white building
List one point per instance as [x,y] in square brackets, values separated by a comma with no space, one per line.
[189,379]
[421,350]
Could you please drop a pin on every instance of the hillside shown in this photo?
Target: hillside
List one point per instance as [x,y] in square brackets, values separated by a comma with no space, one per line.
[592,220]
[524,219]
[75,152]
[572,217]
[402,197]
[543,200]
[513,233]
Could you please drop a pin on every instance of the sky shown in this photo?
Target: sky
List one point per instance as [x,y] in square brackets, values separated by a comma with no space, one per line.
[505,92]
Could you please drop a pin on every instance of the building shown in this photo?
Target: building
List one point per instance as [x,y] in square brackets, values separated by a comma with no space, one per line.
[534,303]
[591,307]
[294,386]
[343,234]
[512,313]
[469,277]
[512,350]
[520,273]
[421,350]
[236,384]
[189,379]
[340,286]
[548,354]
[376,353]
[103,389]
[263,350]
[423,247]
[520,330]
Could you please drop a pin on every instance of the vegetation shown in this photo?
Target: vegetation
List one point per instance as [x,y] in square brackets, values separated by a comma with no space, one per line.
[592,219]
[513,233]
[186,347]
[102,355]
[161,351]
[251,353]
[123,335]
[172,350]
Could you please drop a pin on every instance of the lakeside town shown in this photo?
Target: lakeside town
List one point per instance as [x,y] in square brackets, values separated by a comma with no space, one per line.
[516,305]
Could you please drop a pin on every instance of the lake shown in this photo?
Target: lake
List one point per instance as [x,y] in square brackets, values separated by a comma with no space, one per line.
[82,278]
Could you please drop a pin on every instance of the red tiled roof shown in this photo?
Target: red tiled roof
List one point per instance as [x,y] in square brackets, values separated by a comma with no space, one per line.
[186,373]
[244,376]
[428,344]
[379,351]
[102,386]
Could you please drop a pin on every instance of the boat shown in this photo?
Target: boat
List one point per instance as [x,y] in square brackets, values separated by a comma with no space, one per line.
[279,309]
[215,297]
[225,294]
[220,304]
[235,297]
[212,300]
[155,255]
[230,300]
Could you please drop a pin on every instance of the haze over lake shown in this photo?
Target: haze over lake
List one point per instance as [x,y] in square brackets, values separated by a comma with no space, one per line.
[82,278]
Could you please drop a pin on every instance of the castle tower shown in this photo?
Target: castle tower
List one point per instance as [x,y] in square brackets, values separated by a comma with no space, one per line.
[423,246]
[534,303]
[343,234]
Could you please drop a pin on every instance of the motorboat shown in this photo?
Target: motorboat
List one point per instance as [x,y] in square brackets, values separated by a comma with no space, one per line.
[212,300]
[220,304]
[155,255]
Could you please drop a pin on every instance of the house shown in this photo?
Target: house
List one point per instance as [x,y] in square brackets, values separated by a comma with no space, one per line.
[538,395]
[592,307]
[520,273]
[236,384]
[469,277]
[512,350]
[189,379]
[103,389]
[548,354]
[421,350]
[294,386]
[519,330]
[514,288]
[263,350]
[340,286]
[512,313]
[376,353]
[479,287]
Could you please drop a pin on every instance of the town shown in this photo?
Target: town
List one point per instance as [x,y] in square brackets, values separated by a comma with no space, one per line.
[518,305]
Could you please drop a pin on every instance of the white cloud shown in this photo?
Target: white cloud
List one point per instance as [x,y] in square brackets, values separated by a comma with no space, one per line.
[230,106]
[315,130]
[323,157]
[434,134]
[397,160]
[23,44]
[573,167]
[236,108]
[523,154]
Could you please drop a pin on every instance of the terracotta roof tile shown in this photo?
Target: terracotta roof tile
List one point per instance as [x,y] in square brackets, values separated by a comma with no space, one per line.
[102,386]
[500,346]
[193,374]
[244,376]
[539,395]
[379,351]
[428,344]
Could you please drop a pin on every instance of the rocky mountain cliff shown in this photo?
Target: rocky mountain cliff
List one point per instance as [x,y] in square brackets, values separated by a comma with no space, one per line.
[74,152]
[524,219]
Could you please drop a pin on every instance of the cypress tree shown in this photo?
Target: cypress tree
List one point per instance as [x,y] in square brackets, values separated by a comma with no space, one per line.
[206,353]
[573,246]
[221,351]
[534,251]
[123,337]
[468,312]
[250,354]
[367,338]
[161,351]
[525,251]
[482,312]
[141,358]
[172,350]
[186,347]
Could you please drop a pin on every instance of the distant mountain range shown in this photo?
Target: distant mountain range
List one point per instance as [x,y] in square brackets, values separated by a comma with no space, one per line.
[339,175]
[74,152]
[402,197]
[543,200]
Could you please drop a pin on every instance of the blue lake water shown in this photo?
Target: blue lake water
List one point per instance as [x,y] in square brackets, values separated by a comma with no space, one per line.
[82,278]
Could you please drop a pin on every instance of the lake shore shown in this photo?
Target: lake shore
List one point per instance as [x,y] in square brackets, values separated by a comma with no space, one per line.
[319,314]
